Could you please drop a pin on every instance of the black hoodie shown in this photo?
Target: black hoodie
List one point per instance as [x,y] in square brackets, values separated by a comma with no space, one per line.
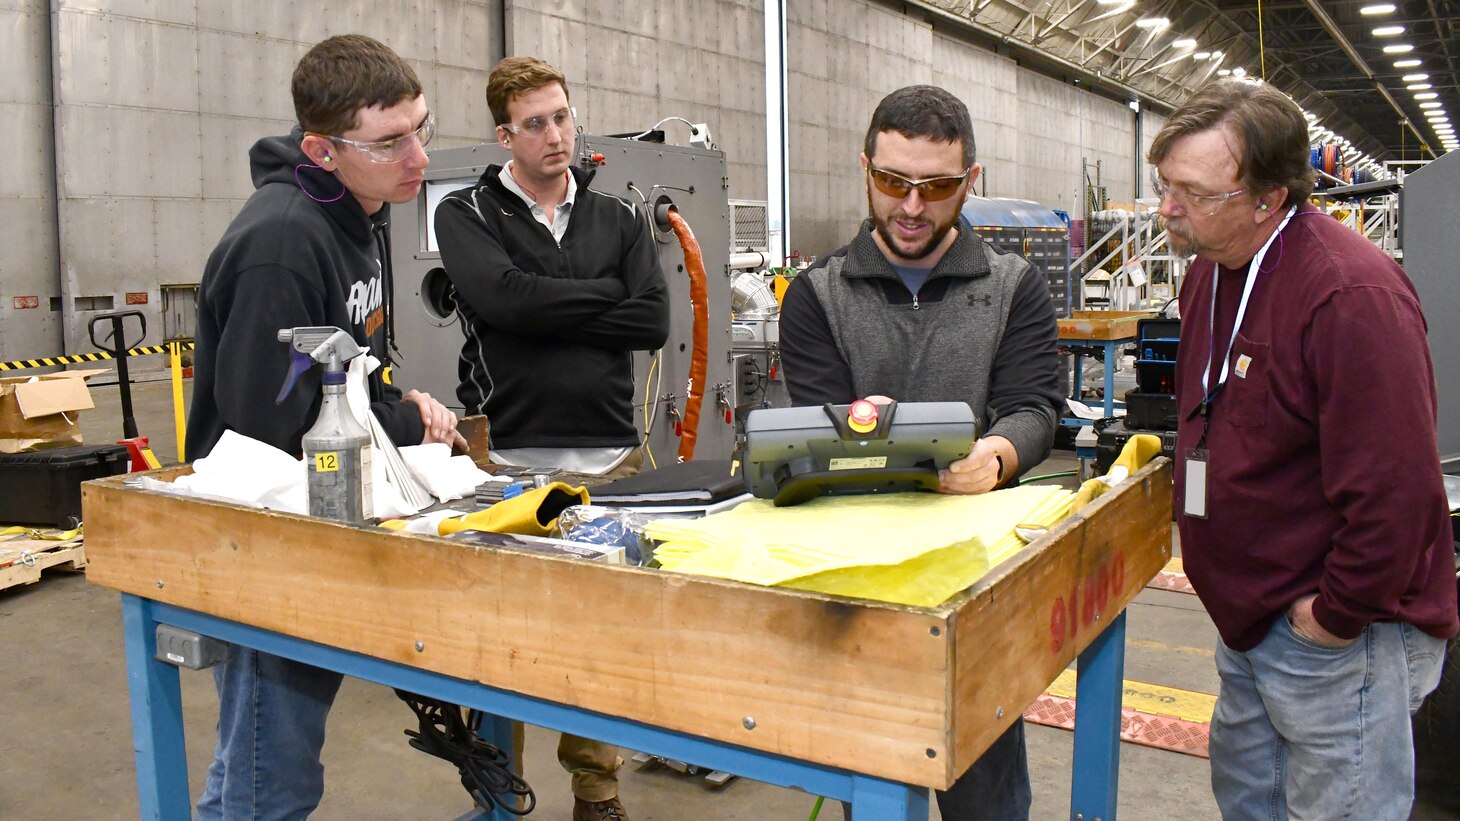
[288,260]
[550,329]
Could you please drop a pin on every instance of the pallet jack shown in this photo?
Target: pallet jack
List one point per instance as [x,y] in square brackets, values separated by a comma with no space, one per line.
[138,447]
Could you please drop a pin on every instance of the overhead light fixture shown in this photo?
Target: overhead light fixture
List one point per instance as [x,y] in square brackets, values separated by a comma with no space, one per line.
[1415,78]
[1388,31]
[1217,55]
[1429,105]
[1223,72]
[1201,55]
[1419,86]
[1425,95]
[1185,43]
[1408,63]
[1377,9]
[1156,23]
[1399,48]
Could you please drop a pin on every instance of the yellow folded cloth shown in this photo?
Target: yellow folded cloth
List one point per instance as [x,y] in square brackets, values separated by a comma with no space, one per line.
[534,513]
[909,548]
[1138,450]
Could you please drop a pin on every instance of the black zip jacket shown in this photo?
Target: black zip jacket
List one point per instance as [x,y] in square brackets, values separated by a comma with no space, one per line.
[287,261]
[550,329]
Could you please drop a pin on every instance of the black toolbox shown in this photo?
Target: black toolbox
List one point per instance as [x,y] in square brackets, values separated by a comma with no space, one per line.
[44,487]
[1151,404]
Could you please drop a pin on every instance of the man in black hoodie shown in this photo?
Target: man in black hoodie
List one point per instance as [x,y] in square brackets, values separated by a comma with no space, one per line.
[310,247]
[558,284]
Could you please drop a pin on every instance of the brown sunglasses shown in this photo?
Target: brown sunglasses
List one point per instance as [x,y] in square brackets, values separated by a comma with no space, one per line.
[932,189]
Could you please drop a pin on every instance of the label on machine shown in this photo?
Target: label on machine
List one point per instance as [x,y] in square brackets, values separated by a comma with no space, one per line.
[857,462]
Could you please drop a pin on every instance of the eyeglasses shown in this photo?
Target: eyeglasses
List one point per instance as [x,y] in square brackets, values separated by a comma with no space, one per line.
[932,189]
[1205,205]
[537,126]
[394,149]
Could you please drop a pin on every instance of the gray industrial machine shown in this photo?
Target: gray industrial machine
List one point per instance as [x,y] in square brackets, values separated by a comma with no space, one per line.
[428,330]
[1427,208]
[1030,230]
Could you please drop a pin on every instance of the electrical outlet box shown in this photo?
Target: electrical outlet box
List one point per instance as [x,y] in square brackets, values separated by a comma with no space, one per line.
[188,649]
[699,136]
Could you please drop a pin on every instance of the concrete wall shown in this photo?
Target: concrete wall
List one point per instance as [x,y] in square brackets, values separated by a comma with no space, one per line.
[842,57]
[27,188]
[157,104]
[157,101]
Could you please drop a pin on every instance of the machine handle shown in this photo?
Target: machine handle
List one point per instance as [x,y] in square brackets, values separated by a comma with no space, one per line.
[808,486]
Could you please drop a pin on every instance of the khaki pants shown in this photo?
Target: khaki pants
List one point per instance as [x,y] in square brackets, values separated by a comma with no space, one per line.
[593,764]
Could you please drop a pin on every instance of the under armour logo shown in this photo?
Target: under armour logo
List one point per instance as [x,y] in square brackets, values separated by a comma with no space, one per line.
[974,299]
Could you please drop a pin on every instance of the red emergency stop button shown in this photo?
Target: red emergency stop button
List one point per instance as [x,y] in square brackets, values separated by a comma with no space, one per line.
[863,416]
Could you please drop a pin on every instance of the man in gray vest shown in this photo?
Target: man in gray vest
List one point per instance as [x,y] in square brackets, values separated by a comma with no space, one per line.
[915,309]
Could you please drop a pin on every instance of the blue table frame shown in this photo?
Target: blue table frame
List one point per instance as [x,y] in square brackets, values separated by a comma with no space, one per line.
[1110,347]
[162,782]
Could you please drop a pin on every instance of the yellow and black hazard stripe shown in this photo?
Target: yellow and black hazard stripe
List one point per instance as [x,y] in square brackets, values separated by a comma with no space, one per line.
[77,359]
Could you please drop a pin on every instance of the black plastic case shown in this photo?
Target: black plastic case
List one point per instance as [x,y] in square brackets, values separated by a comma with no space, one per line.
[44,487]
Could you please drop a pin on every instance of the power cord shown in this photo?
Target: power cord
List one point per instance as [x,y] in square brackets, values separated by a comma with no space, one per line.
[486,771]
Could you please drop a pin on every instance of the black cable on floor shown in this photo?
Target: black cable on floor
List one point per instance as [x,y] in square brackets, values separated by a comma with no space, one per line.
[486,771]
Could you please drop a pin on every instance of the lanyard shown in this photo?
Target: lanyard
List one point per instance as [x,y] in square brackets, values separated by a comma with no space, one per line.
[1209,392]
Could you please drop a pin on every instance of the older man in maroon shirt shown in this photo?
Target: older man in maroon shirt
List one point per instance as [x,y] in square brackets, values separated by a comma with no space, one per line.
[1313,516]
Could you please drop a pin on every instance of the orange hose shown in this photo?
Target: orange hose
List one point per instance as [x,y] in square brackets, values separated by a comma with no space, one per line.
[699,357]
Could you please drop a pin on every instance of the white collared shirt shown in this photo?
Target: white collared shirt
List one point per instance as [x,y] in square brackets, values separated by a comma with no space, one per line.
[558,225]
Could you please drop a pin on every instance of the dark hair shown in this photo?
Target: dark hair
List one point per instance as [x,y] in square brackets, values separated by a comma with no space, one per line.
[923,111]
[518,75]
[1270,127]
[339,76]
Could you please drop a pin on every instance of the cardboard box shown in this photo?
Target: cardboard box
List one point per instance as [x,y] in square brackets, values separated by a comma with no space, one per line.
[40,412]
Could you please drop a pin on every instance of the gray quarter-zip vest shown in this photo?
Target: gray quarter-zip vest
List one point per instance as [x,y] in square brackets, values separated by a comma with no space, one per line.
[923,351]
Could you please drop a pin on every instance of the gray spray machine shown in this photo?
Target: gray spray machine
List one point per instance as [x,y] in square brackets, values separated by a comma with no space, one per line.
[793,455]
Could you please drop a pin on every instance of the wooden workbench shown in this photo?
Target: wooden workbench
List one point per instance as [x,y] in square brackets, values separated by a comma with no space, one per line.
[873,702]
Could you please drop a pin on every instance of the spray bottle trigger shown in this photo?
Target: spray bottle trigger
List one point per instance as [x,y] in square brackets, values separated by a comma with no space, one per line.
[299,362]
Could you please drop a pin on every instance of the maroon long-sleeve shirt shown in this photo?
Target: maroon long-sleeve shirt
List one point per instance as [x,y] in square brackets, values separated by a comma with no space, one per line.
[1323,473]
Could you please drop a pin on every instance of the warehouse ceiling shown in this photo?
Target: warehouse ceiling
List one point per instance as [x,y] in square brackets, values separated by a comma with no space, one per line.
[1330,55]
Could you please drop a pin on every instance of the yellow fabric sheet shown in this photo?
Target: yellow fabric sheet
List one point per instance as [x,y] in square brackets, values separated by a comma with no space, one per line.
[908,548]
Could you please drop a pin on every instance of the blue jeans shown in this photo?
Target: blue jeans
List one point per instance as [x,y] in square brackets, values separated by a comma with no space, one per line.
[1303,731]
[271,717]
[995,788]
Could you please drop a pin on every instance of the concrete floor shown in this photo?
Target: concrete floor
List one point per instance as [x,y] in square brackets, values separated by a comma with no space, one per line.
[65,734]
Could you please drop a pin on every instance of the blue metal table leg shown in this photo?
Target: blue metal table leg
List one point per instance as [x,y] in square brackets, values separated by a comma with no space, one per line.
[1110,364]
[157,727]
[874,799]
[1097,725]
[497,731]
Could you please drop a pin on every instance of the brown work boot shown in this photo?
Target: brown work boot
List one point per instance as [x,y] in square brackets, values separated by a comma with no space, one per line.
[610,810]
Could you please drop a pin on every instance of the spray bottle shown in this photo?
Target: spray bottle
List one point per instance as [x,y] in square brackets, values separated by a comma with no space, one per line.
[337,449]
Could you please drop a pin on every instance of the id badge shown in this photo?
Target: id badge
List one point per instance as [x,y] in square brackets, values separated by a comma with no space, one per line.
[1195,503]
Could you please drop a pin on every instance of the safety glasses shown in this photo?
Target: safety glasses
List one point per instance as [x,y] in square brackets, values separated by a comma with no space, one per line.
[932,189]
[1206,205]
[562,119]
[394,149]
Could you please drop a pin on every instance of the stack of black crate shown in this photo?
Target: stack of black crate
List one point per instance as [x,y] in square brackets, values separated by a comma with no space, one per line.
[1150,407]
